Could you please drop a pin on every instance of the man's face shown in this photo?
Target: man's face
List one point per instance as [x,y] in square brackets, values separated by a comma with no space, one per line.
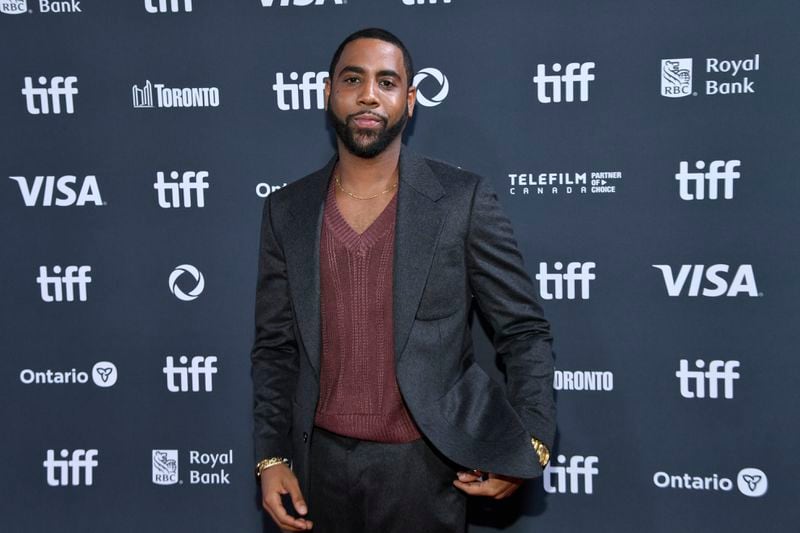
[367,97]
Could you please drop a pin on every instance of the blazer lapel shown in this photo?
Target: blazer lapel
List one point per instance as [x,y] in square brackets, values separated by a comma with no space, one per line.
[302,249]
[419,221]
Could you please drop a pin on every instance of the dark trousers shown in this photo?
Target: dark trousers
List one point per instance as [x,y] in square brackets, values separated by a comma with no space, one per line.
[364,486]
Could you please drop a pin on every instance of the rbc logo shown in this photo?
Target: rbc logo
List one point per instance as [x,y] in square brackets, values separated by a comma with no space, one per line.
[13,7]
[33,193]
[178,376]
[64,286]
[67,471]
[165,467]
[676,77]
[165,6]
[693,382]
[744,280]
[190,181]
[569,80]
[49,98]
[551,286]
[561,478]
[714,175]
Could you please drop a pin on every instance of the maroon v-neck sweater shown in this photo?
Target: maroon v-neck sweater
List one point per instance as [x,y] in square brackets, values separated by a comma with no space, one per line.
[359,396]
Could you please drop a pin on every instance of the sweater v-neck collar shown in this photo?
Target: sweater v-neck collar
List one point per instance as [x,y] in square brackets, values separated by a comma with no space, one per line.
[345,233]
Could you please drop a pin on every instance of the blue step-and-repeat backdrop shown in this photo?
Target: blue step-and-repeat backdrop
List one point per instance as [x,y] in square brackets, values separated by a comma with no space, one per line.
[646,153]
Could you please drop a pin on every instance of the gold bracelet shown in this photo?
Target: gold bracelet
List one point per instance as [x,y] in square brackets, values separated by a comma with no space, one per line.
[541,450]
[272,461]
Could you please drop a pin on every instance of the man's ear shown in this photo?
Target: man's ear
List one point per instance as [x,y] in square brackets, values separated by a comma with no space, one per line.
[327,91]
[412,100]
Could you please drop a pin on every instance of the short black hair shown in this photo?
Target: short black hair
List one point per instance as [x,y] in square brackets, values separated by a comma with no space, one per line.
[381,35]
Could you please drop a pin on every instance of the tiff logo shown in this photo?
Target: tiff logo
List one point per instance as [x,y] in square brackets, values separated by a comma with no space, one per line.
[165,6]
[178,376]
[313,82]
[744,280]
[692,185]
[561,478]
[48,191]
[569,80]
[64,286]
[168,193]
[551,285]
[64,471]
[693,382]
[49,98]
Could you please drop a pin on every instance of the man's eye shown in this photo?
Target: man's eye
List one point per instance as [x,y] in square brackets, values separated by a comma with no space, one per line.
[351,80]
[387,83]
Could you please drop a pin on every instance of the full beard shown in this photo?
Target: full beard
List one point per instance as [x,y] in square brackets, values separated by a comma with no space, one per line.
[366,143]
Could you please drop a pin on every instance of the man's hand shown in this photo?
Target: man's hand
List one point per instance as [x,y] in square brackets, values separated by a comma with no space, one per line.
[495,486]
[277,480]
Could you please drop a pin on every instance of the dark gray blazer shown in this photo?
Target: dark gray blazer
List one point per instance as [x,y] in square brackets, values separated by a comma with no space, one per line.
[452,244]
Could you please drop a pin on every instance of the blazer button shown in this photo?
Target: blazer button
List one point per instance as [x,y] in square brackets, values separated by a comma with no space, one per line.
[305,437]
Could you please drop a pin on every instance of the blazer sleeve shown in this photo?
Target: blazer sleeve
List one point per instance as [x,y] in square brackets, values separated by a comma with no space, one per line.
[505,295]
[274,356]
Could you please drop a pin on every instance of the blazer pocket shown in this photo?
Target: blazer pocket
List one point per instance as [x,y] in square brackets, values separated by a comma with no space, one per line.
[444,287]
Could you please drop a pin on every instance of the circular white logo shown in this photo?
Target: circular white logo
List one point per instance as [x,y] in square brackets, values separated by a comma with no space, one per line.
[444,86]
[104,374]
[200,282]
[752,482]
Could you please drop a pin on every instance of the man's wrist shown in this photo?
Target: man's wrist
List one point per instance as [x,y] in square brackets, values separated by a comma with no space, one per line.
[270,462]
[541,451]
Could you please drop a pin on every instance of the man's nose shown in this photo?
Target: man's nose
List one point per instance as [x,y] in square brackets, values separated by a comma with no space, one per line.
[368,95]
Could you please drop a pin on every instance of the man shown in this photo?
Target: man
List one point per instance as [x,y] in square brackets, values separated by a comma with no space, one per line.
[370,411]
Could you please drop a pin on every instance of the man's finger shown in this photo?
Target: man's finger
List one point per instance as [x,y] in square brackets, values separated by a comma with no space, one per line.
[475,488]
[297,497]
[282,518]
[469,476]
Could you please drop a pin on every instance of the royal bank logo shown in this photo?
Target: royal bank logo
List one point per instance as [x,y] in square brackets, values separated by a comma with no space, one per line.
[103,374]
[701,185]
[63,191]
[676,77]
[709,281]
[564,183]
[184,189]
[165,467]
[573,476]
[18,7]
[186,272]
[557,87]
[206,468]
[583,380]
[570,282]
[73,469]
[722,76]
[300,3]
[13,7]
[751,482]
[307,93]
[439,94]
[167,6]
[45,100]
[64,284]
[173,97]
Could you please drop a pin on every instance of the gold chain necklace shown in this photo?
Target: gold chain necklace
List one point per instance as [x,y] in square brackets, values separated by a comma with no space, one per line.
[357,197]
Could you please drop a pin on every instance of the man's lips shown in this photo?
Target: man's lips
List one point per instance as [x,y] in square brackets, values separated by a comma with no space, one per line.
[367,121]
